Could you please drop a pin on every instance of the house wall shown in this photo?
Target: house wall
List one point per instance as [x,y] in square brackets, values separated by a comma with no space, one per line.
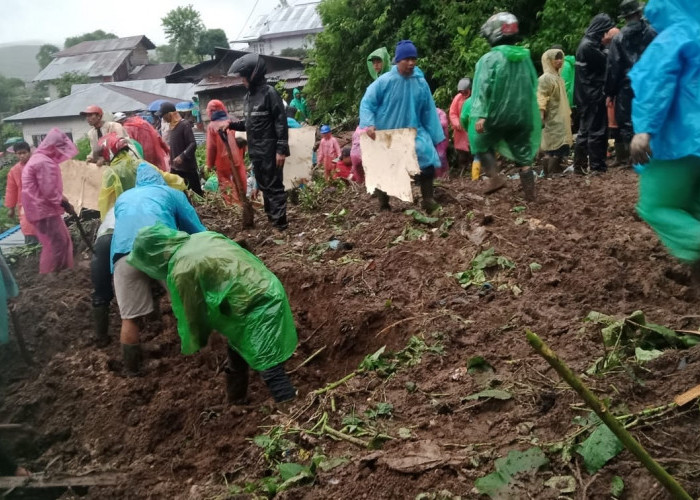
[138,57]
[35,130]
[232,97]
[274,46]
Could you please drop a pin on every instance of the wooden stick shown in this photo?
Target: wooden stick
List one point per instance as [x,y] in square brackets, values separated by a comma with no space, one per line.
[306,361]
[341,435]
[687,396]
[332,386]
[613,424]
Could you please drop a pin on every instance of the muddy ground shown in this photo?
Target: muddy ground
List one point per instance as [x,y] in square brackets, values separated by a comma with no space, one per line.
[172,435]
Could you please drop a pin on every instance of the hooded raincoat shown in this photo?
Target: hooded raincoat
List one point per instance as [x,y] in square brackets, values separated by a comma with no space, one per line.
[459,133]
[396,101]
[13,198]
[42,194]
[151,201]
[568,74]
[217,155]
[382,54]
[155,151]
[505,94]
[215,284]
[551,98]
[299,103]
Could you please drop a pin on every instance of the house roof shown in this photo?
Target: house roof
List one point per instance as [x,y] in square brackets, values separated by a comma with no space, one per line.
[154,71]
[108,96]
[108,45]
[296,19]
[180,91]
[291,77]
[94,65]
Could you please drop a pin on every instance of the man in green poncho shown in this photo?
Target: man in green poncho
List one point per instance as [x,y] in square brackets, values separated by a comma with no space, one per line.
[215,284]
[378,63]
[504,115]
[300,104]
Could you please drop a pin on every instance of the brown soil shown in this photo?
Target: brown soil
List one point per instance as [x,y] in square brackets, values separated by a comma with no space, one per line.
[173,436]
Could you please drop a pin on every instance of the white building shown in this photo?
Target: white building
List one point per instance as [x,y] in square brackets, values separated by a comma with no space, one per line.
[286,27]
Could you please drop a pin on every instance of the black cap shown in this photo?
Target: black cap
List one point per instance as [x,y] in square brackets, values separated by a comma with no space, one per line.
[629,8]
[165,108]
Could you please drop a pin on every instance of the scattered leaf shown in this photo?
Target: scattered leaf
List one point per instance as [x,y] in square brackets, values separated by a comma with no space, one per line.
[565,484]
[404,433]
[478,364]
[534,267]
[490,393]
[600,447]
[643,355]
[617,487]
[332,463]
[421,217]
[495,484]
[290,470]
[518,209]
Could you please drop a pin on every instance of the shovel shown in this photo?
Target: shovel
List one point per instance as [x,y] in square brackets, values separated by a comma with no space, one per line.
[74,216]
[248,212]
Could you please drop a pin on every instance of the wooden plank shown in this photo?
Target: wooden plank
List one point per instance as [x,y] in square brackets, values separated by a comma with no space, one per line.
[390,161]
[688,396]
[81,183]
[37,481]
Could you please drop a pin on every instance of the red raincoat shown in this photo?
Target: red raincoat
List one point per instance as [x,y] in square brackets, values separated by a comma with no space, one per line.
[13,198]
[155,151]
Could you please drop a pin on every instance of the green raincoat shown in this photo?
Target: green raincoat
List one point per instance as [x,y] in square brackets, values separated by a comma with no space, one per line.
[300,104]
[505,93]
[215,284]
[382,54]
[568,72]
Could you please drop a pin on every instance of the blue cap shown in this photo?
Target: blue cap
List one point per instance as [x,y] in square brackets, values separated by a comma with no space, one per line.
[325,129]
[404,50]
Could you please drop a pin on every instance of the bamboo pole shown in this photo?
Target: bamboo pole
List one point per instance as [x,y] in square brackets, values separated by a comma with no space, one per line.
[613,424]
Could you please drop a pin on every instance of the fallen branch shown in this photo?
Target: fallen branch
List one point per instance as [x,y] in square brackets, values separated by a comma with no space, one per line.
[345,437]
[307,360]
[613,424]
[333,385]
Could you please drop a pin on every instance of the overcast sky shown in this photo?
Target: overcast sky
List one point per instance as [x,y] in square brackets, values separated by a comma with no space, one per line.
[52,21]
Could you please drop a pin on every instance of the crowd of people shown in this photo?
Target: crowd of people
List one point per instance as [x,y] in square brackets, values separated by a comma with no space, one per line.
[150,235]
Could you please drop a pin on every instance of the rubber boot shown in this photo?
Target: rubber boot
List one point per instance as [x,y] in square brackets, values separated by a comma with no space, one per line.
[546,166]
[527,181]
[100,317]
[279,384]
[496,180]
[383,200]
[132,356]
[427,191]
[236,378]
[622,154]
[554,165]
[580,160]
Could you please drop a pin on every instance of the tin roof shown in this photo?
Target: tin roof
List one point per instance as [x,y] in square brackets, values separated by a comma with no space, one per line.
[108,45]
[180,91]
[293,19]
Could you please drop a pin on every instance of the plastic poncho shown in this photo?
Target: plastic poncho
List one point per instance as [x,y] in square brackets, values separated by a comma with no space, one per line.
[666,81]
[590,62]
[382,54]
[505,93]
[217,156]
[466,110]
[551,98]
[120,176]
[460,137]
[151,201]
[299,103]
[42,184]
[215,284]
[568,74]
[8,290]
[395,101]
[13,198]
[441,148]
[155,151]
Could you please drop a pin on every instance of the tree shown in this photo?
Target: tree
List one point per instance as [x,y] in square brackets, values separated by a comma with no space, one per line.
[10,88]
[67,80]
[88,37]
[209,40]
[298,53]
[43,57]
[182,27]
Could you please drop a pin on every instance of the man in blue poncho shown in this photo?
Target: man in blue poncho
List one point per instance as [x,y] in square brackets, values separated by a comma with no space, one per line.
[151,201]
[666,119]
[401,98]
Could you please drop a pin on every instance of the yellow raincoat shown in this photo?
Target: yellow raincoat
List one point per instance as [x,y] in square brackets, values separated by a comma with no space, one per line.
[552,99]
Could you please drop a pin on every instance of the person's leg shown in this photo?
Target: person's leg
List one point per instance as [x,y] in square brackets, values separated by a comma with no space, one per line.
[102,295]
[270,181]
[669,194]
[278,383]
[425,180]
[581,146]
[623,113]
[236,377]
[30,239]
[464,159]
[490,168]
[56,243]
[598,136]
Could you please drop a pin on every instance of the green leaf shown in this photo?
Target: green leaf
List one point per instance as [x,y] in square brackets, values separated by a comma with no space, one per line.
[478,364]
[518,209]
[600,447]
[643,355]
[489,393]
[404,433]
[617,487]
[290,470]
[495,484]
[332,463]
[534,267]
[420,217]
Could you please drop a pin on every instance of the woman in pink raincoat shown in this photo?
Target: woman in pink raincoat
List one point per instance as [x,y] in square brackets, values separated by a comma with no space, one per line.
[444,171]
[43,202]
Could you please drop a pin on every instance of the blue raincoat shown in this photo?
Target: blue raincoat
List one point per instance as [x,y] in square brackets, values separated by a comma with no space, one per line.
[666,81]
[395,101]
[151,201]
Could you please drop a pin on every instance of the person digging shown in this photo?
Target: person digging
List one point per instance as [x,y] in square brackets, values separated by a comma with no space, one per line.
[215,284]
[504,115]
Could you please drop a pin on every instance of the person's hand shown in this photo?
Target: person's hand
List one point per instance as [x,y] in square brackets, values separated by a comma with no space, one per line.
[280,160]
[11,212]
[67,206]
[609,102]
[177,161]
[640,150]
[480,125]
[254,194]
[100,161]
[371,132]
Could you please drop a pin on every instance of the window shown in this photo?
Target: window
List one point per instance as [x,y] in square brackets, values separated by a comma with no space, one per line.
[36,139]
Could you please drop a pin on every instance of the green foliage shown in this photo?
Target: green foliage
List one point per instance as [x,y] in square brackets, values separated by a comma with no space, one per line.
[83,148]
[210,40]
[183,27]
[381,410]
[599,448]
[476,274]
[43,57]
[489,394]
[384,363]
[617,486]
[165,53]
[421,217]
[274,444]
[496,484]
[67,80]
[88,37]
[300,53]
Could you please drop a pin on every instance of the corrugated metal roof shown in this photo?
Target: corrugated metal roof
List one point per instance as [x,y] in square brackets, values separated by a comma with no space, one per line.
[180,91]
[94,65]
[153,71]
[109,45]
[291,77]
[299,18]
[108,96]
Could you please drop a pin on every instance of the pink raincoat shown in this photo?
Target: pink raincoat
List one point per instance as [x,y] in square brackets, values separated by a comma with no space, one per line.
[358,171]
[460,137]
[444,169]
[328,151]
[42,193]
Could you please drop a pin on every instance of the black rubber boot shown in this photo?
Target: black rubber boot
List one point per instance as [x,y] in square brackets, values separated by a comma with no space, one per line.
[546,166]
[527,181]
[555,165]
[580,160]
[490,167]
[427,192]
[383,200]
[279,384]
[132,356]
[622,154]
[236,378]
[100,317]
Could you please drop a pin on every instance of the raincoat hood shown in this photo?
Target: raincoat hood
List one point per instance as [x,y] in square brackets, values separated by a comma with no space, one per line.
[57,146]
[513,53]
[382,54]
[548,60]
[146,175]
[296,93]
[600,25]
[215,105]
[153,248]
[664,14]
